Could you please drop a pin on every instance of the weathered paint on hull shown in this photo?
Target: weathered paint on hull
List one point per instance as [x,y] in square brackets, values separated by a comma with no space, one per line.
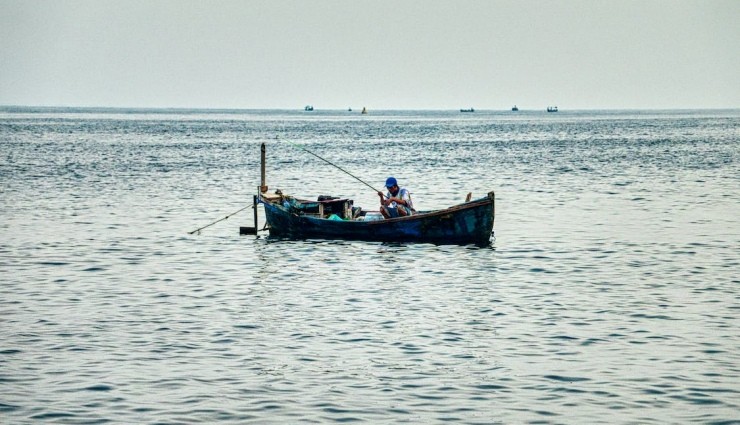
[469,223]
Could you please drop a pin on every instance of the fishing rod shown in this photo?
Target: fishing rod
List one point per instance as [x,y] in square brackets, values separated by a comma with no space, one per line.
[332,164]
[221,219]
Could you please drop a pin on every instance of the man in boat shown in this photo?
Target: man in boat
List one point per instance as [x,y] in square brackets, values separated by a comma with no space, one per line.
[396,202]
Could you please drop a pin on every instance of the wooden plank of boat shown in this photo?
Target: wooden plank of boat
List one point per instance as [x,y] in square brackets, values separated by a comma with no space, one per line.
[467,223]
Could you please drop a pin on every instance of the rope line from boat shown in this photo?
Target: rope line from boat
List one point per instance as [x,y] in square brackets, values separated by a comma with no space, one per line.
[331,163]
[220,219]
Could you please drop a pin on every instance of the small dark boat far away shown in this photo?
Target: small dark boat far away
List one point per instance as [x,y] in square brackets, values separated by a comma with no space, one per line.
[470,222]
[467,110]
[515,109]
[552,109]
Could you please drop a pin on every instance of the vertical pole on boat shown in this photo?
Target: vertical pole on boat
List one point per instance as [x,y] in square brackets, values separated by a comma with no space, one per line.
[263,181]
[263,185]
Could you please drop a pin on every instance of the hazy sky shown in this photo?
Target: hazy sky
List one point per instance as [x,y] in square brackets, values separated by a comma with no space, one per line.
[395,54]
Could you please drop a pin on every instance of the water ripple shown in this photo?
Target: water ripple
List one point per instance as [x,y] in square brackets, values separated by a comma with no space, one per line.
[608,296]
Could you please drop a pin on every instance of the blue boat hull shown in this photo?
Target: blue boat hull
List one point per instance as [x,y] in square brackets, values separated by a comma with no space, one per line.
[468,223]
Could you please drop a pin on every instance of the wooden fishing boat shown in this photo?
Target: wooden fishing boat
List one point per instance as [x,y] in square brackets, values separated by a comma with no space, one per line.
[467,223]
[329,217]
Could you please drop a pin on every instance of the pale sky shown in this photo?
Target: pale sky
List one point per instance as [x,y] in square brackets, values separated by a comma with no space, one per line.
[394,54]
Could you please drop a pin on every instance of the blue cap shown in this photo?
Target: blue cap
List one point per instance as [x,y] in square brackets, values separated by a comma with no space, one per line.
[391,182]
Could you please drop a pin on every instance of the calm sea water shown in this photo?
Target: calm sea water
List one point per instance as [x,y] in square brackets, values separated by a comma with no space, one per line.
[611,293]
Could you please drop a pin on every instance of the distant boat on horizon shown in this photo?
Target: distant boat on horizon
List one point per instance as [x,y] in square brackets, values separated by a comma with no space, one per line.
[364,110]
[515,109]
[308,108]
[552,109]
[467,110]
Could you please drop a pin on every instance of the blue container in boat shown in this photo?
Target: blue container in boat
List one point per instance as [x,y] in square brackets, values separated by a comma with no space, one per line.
[373,216]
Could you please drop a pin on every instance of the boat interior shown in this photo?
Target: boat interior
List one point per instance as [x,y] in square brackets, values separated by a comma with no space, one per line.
[328,207]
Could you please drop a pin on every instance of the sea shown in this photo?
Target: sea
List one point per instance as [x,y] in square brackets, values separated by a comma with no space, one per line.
[609,293]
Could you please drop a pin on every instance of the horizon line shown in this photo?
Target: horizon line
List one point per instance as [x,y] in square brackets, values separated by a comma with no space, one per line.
[199,108]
